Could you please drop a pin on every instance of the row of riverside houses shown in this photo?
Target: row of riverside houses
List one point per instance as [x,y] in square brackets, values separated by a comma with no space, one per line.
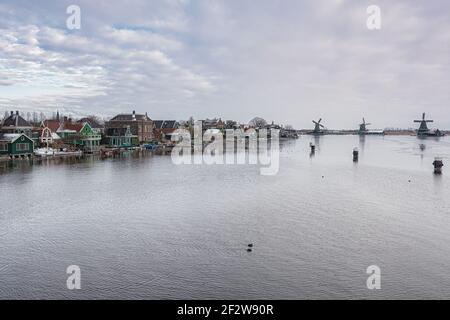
[19,137]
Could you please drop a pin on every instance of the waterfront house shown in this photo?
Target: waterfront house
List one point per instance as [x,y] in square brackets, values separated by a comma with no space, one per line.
[140,125]
[48,132]
[121,137]
[95,125]
[163,129]
[79,135]
[16,145]
[47,137]
[15,123]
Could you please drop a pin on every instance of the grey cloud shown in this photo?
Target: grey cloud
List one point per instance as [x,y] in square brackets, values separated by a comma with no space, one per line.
[288,61]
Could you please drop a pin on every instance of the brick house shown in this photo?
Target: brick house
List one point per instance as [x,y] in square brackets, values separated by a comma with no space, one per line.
[140,125]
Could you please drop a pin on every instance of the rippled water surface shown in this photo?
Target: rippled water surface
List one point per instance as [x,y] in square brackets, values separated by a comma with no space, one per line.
[144,228]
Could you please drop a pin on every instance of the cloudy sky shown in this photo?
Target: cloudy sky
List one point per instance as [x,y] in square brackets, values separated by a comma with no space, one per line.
[287,60]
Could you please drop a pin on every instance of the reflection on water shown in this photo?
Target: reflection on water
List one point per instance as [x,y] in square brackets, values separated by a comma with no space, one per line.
[141,227]
[362,142]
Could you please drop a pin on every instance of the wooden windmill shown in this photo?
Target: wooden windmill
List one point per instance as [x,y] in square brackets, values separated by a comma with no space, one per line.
[318,127]
[363,127]
[423,129]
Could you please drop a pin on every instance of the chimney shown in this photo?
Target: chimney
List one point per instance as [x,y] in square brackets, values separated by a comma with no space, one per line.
[65,118]
[12,112]
[17,112]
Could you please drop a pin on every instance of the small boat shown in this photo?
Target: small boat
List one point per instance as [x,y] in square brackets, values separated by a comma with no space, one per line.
[44,152]
[150,146]
[50,152]
[65,152]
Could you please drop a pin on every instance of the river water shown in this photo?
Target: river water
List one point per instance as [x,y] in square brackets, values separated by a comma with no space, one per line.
[144,228]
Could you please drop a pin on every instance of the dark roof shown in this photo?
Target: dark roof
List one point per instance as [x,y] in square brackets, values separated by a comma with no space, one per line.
[211,121]
[131,117]
[165,124]
[94,124]
[15,120]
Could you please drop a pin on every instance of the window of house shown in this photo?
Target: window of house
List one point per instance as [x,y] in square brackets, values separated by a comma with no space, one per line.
[3,147]
[22,147]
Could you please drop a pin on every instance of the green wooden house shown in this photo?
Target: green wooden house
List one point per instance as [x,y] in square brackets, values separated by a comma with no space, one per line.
[121,137]
[79,135]
[90,140]
[15,145]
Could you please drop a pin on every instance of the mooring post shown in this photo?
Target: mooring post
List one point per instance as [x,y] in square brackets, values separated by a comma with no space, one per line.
[355,155]
[438,164]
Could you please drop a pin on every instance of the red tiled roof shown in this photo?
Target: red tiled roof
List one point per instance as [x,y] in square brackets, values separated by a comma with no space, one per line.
[73,126]
[53,125]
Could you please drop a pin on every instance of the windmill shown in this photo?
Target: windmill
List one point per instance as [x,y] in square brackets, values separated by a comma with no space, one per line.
[318,127]
[363,127]
[423,129]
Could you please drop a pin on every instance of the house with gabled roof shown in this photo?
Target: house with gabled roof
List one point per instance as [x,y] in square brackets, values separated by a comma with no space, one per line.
[95,125]
[79,135]
[163,129]
[15,145]
[15,123]
[48,132]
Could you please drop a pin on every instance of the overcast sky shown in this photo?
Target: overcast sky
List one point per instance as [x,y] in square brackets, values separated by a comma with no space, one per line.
[288,60]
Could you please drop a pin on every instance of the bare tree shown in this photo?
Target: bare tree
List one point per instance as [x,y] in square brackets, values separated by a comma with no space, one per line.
[95,118]
[258,122]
